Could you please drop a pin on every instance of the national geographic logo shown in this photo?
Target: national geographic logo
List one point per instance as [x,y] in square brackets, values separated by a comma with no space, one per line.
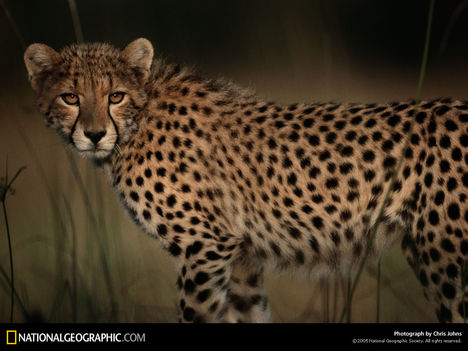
[14,338]
[11,337]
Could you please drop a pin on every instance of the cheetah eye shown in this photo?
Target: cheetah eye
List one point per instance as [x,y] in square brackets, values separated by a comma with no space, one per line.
[71,99]
[116,98]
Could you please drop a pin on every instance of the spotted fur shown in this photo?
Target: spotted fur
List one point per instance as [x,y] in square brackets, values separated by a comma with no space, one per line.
[227,182]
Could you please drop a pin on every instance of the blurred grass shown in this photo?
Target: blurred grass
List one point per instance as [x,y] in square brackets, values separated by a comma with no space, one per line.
[300,300]
[77,256]
[79,259]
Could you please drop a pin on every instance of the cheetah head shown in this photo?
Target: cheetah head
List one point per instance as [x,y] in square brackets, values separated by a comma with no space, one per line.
[91,94]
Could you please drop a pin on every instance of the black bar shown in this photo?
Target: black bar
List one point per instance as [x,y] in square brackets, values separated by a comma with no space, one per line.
[223,336]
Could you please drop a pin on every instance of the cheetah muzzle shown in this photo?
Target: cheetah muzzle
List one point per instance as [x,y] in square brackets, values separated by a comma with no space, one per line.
[227,182]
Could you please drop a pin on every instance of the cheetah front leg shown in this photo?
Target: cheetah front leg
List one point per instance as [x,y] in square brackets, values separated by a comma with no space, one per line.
[203,284]
[215,287]
[247,299]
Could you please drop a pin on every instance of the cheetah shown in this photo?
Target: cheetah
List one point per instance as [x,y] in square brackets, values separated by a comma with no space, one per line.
[227,182]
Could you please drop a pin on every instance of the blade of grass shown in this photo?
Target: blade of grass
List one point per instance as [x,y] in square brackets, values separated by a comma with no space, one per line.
[24,311]
[377,307]
[326,292]
[12,274]
[89,301]
[400,294]
[78,34]
[464,280]
[348,300]
[76,21]
[451,23]
[58,302]
[335,298]
[74,287]
[4,191]
[9,184]
[13,25]
[400,161]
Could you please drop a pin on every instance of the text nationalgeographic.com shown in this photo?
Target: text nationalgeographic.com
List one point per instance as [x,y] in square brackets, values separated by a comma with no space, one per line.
[13,337]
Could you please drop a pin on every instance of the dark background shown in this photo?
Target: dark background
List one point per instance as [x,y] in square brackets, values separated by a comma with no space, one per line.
[245,39]
[70,268]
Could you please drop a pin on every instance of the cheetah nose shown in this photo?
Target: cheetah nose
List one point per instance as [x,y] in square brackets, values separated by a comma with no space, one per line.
[95,136]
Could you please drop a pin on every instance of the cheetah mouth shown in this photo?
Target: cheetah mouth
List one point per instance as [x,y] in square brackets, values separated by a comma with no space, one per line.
[95,153]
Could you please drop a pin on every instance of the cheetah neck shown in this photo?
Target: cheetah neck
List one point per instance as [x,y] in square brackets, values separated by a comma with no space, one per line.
[176,93]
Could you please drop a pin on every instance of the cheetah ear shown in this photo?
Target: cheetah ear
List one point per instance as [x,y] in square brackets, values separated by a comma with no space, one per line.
[139,55]
[39,59]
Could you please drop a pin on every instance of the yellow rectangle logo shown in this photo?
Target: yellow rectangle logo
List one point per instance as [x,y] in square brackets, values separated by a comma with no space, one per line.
[11,337]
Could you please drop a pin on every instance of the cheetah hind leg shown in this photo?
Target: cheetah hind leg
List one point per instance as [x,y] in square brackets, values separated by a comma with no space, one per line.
[247,299]
[444,277]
